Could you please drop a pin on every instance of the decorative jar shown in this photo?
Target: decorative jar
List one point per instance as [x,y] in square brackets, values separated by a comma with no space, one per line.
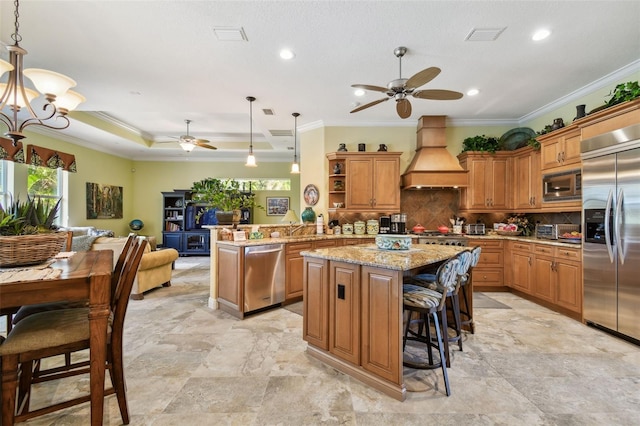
[347,229]
[372,227]
[359,227]
[308,215]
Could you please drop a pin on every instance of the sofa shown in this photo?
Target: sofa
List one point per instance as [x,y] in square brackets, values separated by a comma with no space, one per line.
[155,267]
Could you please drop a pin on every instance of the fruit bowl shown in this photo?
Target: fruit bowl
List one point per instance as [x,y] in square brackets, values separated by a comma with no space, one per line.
[393,242]
[508,233]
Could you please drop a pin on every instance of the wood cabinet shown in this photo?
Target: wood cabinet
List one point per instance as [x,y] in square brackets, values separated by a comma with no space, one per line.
[371,181]
[560,148]
[558,276]
[520,271]
[344,311]
[315,321]
[488,275]
[527,180]
[488,188]
[179,230]
[230,278]
[294,265]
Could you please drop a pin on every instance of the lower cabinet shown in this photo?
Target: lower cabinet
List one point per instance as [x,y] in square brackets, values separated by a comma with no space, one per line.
[188,242]
[294,265]
[520,272]
[558,276]
[488,275]
[353,312]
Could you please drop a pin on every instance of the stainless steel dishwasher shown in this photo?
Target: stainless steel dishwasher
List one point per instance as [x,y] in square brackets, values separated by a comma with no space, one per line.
[264,272]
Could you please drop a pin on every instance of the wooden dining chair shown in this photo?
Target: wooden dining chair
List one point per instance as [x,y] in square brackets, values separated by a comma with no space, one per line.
[51,333]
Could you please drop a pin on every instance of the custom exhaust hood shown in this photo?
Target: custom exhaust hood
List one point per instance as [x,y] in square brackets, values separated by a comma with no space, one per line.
[432,165]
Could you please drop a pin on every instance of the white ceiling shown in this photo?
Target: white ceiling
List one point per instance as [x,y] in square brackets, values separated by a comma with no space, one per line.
[149,65]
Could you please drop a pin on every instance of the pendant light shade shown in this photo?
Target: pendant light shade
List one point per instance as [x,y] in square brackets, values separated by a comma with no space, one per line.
[295,167]
[251,159]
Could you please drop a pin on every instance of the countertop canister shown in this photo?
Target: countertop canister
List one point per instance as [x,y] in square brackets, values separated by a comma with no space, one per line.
[372,227]
[359,228]
[347,229]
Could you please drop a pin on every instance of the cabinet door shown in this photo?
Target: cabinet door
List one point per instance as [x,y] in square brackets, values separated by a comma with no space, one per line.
[571,151]
[315,321]
[551,153]
[294,269]
[344,311]
[196,242]
[381,322]
[359,183]
[172,240]
[498,194]
[569,285]
[544,280]
[527,184]
[478,182]
[522,266]
[230,278]
[386,183]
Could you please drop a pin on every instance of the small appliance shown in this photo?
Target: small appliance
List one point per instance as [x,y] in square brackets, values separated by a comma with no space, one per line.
[398,223]
[562,186]
[475,229]
[553,231]
[385,225]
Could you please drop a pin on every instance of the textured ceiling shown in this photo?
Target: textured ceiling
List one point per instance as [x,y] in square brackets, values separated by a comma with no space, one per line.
[149,65]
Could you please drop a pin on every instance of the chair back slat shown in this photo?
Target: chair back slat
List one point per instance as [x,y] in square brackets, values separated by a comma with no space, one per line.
[475,256]
[125,284]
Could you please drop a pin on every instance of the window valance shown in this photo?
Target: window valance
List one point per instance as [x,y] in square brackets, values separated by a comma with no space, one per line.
[9,152]
[45,157]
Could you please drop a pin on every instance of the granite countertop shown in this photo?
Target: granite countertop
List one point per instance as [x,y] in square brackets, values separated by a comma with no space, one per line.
[403,260]
[319,237]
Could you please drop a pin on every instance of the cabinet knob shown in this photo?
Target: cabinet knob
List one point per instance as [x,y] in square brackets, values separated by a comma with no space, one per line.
[558,158]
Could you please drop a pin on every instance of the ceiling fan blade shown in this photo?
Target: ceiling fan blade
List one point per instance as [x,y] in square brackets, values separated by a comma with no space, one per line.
[422,77]
[204,144]
[403,108]
[370,104]
[370,87]
[436,94]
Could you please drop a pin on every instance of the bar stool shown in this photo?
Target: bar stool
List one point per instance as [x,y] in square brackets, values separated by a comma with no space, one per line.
[428,304]
[467,313]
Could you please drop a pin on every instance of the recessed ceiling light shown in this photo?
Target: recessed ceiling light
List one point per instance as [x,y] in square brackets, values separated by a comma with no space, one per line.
[358,92]
[540,35]
[472,92]
[287,54]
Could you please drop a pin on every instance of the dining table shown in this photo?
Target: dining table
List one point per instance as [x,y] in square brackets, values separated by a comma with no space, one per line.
[80,276]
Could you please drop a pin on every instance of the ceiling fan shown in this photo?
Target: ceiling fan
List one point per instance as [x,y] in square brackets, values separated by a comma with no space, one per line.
[401,88]
[188,142]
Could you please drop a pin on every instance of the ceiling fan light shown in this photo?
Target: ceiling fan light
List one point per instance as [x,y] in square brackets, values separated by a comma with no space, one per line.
[295,169]
[49,82]
[251,161]
[187,146]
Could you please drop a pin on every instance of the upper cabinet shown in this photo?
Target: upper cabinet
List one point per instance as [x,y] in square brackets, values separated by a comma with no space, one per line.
[560,148]
[364,181]
[527,190]
[489,175]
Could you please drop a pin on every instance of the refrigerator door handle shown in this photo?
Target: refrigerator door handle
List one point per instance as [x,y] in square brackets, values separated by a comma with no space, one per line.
[607,231]
[617,226]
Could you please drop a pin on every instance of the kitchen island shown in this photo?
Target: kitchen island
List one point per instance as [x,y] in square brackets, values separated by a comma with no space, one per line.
[353,312]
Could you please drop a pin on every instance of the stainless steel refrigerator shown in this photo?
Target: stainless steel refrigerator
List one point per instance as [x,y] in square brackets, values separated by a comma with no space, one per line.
[611,229]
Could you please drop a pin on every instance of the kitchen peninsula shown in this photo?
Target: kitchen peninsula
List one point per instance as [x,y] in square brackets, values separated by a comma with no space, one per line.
[353,308]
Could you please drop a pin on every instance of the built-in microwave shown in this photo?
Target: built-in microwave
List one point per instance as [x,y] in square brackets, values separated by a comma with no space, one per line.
[562,186]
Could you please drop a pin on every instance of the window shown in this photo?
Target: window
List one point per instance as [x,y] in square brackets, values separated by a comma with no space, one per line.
[48,184]
[265,184]
[6,187]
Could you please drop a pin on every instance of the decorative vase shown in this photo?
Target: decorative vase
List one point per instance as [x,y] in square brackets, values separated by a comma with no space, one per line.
[337,169]
[362,147]
[228,218]
[382,148]
[580,111]
[308,215]
[342,147]
[557,124]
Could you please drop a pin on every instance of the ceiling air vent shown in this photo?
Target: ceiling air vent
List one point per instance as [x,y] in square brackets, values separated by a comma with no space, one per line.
[281,132]
[484,34]
[230,34]
[267,111]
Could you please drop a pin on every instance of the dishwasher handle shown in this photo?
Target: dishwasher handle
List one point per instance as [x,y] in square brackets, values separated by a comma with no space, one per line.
[262,249]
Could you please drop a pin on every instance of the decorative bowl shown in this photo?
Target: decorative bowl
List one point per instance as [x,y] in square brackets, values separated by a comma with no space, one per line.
[337,205]
[509,233]
[393,242]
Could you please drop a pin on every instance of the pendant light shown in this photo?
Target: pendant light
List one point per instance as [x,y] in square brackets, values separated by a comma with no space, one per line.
[251,159]
[295,167]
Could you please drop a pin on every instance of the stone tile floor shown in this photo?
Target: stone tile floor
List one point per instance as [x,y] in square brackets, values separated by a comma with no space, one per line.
[186,365]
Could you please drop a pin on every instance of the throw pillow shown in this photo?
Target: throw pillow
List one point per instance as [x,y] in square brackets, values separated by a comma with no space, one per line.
[82,242]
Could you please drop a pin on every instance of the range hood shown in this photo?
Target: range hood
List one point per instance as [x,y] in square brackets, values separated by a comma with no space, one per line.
[433,166]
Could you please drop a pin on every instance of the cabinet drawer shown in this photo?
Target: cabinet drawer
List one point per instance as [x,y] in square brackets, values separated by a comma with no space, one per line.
[487,243]
[544,250]
[569,254]
[491,258]
[521,246]
[325,243]
[487,276]
[298,247]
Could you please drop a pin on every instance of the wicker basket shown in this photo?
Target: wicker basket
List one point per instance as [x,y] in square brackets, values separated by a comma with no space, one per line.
[509,233]
[20,250]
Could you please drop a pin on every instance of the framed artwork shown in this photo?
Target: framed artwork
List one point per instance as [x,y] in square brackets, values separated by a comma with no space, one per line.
[277,206]
[104,201]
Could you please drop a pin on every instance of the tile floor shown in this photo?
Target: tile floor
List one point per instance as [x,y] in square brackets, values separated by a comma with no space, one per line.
[187,365]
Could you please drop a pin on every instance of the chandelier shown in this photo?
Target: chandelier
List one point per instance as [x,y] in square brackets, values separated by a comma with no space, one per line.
[16,108]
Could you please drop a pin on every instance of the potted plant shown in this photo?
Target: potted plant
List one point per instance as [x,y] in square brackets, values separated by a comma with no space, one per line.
[27,232]
[481,143]
[225,195]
